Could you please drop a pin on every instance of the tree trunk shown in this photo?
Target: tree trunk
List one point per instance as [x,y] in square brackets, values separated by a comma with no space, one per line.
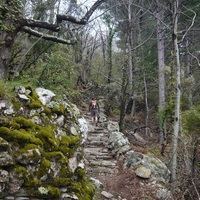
[7,40]
[194,157]
[177,100]
[188,71]
[161,67]
[123,97]
[146,106]
[110,42]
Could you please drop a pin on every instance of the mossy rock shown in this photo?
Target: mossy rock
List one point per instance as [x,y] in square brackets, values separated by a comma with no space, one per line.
[16,104]
[4,121]
[28,156]
[43,168]
[28,87]
[25,123]
[80,173]
[47,111]
[31,181]
[47,136]
[4,145]
[14,125]
[61,182]
[34,101]
[56,157]
[18,169]
[65,172]
[70,141]
[19,136]
[84,190]
[45,192]
[58,110]
[33,146]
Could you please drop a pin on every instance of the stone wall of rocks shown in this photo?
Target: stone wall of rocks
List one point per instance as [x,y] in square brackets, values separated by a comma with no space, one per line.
[41,155]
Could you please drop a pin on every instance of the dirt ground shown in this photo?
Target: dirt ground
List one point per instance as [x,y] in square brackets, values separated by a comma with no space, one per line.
[126,185]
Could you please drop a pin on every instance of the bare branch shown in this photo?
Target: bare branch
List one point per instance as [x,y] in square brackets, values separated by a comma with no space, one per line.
[192,23]
[82,21]
[47,37]
[23,25]
[40,24]
[142,43]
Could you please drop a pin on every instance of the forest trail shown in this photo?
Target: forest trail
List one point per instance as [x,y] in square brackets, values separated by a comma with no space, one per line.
[100,164]
[113,181]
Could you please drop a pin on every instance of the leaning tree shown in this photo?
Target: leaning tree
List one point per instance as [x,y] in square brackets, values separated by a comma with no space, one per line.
[12,21]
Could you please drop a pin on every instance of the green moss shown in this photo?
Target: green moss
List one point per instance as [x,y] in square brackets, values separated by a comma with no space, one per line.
[70,141]
[47,192]
[61,182]
[34,104]
[4,131]
[57,110]
[43,168]
[35,115]
[4,145]
[2,90]
[65,172]
[54,193]
[20,169]
[28,87]
[47,136]
[34,100]
[16,104]
[84,190]
[33,146]
[68,145]
[29,154]
[47,111]
[88,187]
[25,123]
[19,136]
[55,156]
[14,125]
[80,173]
[31,181]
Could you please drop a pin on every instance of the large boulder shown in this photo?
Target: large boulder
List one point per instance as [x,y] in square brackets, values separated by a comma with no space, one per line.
[45,96]
[159,170]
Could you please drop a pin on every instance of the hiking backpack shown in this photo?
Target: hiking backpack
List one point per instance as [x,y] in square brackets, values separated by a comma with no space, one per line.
[94,104]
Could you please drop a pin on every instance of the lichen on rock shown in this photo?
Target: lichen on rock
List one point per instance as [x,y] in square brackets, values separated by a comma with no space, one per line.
[36,145]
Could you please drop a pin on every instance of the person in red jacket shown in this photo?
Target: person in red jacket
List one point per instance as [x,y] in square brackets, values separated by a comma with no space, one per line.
[94,110]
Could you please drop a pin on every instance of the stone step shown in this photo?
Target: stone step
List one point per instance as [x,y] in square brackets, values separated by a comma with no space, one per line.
[102,170]
[100,136]
[95,144]
[103,163]
[95,150]
[99,157]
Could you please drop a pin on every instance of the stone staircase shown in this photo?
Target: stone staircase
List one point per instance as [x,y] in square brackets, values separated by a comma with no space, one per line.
[99,159]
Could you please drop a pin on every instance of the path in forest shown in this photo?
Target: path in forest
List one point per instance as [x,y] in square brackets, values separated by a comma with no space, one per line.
[100,163]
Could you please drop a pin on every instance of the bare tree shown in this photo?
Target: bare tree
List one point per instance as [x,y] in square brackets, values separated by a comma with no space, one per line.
[177,95]
[13,23]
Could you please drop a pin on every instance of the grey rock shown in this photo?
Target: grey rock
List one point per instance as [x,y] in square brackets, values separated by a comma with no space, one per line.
[143,172]
[113,126]
[106,194]
[45,96]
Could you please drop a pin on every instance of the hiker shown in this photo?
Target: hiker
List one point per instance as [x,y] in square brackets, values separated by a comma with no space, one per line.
[94,110]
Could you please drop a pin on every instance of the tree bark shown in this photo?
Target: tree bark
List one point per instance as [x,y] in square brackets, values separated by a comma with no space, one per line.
[161,72]
[177,100]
